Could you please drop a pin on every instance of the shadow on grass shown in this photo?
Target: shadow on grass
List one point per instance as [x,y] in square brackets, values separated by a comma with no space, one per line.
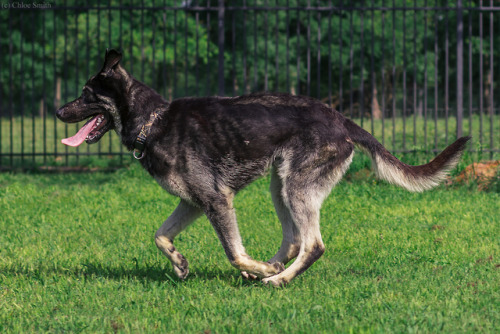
[157,273]
[146,274]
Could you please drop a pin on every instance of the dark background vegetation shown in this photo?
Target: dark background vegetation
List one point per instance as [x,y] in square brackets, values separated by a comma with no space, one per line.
[372,59]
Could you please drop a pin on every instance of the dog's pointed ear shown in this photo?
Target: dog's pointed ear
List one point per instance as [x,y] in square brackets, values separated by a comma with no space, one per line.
[111,60]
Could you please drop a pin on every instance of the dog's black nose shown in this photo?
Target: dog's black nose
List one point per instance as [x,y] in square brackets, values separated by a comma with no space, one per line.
[60,113]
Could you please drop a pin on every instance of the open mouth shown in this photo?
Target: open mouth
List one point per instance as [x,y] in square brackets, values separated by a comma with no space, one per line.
[91,132]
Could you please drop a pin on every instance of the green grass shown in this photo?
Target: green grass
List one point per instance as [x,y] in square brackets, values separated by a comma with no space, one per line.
[77,255]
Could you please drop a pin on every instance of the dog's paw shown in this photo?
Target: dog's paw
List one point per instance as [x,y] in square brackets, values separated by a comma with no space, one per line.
[248,276]
[272,269]
[278,266]
[274,281]
[181,267]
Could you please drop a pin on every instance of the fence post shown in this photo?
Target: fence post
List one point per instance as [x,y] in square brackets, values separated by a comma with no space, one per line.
[221,48]
[460,68]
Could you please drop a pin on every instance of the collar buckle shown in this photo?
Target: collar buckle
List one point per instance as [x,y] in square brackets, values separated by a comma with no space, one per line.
[140,141]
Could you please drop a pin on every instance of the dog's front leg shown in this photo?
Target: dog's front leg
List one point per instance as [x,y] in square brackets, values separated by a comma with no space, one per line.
[223,218]
[182,216]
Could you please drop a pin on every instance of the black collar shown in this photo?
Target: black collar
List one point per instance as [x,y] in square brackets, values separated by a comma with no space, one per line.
[140,141]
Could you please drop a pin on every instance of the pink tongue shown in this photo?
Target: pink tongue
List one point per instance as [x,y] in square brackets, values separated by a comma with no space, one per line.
[81,135]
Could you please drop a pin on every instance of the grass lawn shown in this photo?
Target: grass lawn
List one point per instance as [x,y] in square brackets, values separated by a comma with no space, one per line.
[77,255]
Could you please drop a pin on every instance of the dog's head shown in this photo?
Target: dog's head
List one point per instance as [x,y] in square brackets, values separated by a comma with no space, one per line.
[100,101]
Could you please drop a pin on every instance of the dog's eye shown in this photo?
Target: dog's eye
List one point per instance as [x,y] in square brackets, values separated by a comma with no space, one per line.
[88,96]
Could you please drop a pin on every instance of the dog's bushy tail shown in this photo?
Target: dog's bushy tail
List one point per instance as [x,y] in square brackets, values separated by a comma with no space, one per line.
[412,178]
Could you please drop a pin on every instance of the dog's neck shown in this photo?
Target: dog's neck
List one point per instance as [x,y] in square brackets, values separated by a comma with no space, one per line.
[137,105]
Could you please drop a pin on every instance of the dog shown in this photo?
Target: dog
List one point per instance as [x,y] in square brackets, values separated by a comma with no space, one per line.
[204,150]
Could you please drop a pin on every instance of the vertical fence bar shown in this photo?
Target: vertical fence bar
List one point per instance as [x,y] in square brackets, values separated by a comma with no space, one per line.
[44,101]
[404,77]
[131,44]
[255,46]
[220,17]
[244,28]
[425,77]
[111,45]
[470,69]
[77,76]
[372,72]
[120,25]
[341,92]
[98,59]
[233,42]
[121,48]
[207,88]
[318,53]
[154,78]
[186,62]
[21,73]
[298,51]
[351,62]
[266,72]
[481,90]
[330,54]
[55,81]
[287,46]
[142,41]
[11,97]
[174,75]
[460,68]
[64,76]
[383,73]
[393,78]
[2,105]
[164,43]
[492,80]
[308,43]
[87,74]
[361,61]
[436,78]
[33,112]
[446,76]
[415,74]
[276,56]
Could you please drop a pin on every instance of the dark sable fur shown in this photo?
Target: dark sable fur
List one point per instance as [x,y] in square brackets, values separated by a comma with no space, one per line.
[205,150]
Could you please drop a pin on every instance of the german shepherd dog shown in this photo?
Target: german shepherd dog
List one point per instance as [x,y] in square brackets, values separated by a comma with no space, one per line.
[204,150]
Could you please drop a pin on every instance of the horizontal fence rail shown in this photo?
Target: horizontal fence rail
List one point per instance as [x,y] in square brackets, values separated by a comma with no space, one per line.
[416,74]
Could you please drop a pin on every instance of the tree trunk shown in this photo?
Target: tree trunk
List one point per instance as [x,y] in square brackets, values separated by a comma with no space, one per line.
[376,112]
[487,92]
[420,103]
[41,109]
[57,99]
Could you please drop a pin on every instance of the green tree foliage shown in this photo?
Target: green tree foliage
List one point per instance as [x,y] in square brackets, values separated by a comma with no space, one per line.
[326,49]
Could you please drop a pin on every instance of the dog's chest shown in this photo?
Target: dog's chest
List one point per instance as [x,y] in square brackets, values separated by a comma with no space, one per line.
[173,184]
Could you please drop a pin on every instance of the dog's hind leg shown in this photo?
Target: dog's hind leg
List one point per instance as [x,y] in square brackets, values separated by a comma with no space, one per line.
[304,209]
[222,216]
[182,216]
[290,244]
[303,193]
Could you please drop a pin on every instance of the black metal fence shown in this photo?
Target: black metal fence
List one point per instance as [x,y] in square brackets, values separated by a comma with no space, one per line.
[414,73]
